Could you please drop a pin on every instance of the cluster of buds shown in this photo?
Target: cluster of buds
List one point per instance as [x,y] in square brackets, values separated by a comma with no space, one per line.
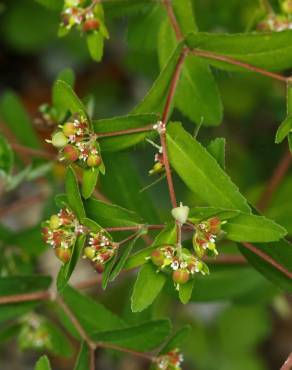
[60,232]
[180,262]
[34,333]
[76,14]
[170,361]
[205,237]
[77,143]
[99,250]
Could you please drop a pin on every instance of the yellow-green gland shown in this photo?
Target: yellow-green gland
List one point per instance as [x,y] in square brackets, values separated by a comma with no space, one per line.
[55,222]
[69,129]
[59,140]
[93,160]
[181,276]
[64,254]
[157,257]
[71,153]
[89,252]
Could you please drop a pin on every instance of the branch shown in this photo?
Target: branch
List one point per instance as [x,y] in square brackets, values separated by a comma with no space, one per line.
[172,19]
[274,182]
[32,152]
[268,259]
[288,363]
[250,67]
[26,297]
[125,132]
[125,350]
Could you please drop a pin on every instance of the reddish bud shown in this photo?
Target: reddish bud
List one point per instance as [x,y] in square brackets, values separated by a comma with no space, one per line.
[99,267]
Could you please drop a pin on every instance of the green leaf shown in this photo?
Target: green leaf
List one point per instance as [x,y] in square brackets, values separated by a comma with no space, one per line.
[122,258]
[201,172]
[8,332]
[6,156]
[217,149]
[95,43]
[284,129]
[270,51]
[93,316]
[83,358]
[51,4]
[59,343]
[16,118]
[155,99]
[127,190]
[197,95]
[43,364]
[281,252]
[68,268]
[176,340]
[166,236]
[65,97]
[23,284]
[131,121]
[67,76]
[290,142]
[73,195]
[185,291]
[251,228]
[203,213]
[109,215]
[90,176]
[144,337]
[183,10]
[15,310]
[148,285]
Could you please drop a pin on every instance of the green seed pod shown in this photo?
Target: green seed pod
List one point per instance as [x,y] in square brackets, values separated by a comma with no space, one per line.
[59,140]
[69,129]
[64,254]
[71,153]
[89,252]
[181,276]
[157,257]
[55,222]
[93,160]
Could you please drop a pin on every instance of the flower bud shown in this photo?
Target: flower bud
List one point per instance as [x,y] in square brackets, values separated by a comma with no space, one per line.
[93,160]
[59,140]
[71,153]
[69,129]
[181,276]
[180,213]
[157,168]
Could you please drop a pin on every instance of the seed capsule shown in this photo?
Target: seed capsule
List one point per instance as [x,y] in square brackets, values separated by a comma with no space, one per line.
[157,257]
[89,252]
[64,254]
[69,129]
[287,6]
[93,160]
[91,25]
[55,222]
[71,153]
[59,140]
[180,276]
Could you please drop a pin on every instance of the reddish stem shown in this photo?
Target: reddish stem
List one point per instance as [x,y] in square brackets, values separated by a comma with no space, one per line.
[268,259]
[172,19]
[275,181]
[32,152]
[125,132]
[288,363]
[250,67]
[26,297]
[125,350]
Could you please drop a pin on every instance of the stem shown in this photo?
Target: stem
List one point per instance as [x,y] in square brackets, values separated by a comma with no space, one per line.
[274,182]
[129,238]
[288,363]
[26,297]
[125,350]
[32,152]
[125,132]
[250,67]
[268,259]
[172,19]
[226,259]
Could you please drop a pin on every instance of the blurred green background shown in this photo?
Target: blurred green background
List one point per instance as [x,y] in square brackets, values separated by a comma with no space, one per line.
[252,329]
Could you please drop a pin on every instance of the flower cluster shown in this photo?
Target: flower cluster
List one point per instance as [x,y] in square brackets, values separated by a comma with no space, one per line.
[100,249]
[60,232]
[205,237]
[278,22]
[77,143]
[171,361]
[180,262]
[76,13]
